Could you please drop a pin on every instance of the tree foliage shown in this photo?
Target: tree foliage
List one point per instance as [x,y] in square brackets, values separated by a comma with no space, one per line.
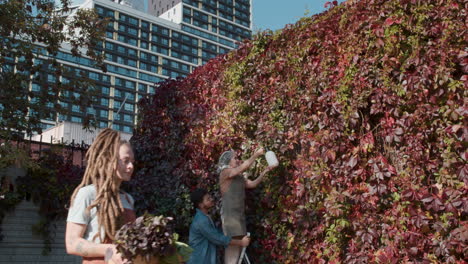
[365,106]
[32,33]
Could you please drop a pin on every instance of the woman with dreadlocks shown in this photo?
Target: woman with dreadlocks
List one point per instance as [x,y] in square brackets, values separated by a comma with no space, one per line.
[98,206]
[233,184]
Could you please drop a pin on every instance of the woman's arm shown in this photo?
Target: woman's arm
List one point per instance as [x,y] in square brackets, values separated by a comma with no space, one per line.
[232,172]
[252,184]
[77,245]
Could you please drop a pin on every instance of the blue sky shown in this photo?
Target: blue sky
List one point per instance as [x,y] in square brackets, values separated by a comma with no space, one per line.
[275,14]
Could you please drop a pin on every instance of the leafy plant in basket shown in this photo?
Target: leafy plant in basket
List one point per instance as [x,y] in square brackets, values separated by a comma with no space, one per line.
[150,239]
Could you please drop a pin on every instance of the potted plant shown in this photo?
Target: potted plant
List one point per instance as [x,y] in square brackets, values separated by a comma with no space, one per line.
[151,240]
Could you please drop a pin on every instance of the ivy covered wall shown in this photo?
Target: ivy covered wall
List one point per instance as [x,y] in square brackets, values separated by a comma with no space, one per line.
[365,106]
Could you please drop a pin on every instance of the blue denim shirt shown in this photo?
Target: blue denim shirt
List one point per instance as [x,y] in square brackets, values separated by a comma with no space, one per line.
[203,238]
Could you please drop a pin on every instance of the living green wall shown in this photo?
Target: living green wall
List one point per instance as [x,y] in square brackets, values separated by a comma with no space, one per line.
[365,106]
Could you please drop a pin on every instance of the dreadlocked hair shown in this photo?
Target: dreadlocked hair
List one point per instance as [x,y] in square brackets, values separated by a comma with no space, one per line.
[102,158]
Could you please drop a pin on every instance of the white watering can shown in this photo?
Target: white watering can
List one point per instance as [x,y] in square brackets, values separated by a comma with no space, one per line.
[271,159]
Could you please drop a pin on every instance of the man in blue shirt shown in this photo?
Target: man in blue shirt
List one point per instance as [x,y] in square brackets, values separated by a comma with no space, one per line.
[204,236]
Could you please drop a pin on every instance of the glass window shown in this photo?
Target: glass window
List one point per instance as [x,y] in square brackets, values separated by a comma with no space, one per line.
[130,84]
[142,87]
[76,119]
[131,63]
[130,96]
[109,46]
[116,116]
[102,124]
[106,78]
[119,81]
[132,31]
[91,111]
[94,75]
[133,21]
[36,87]
[121,49]
[104,113]
[117,93]
[127,129]
[128,107]
[104,102]
[117,104]
[131,52]
[51,78]
[128,118]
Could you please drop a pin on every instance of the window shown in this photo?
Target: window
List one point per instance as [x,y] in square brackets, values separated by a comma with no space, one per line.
[130,96]
[76,119]
[102,124]
[94,75]
[142,87]
[131,63]
[128,107]
[106,78]
[91,111]
[127,129]
[121,49]
[133,21]
[116,116]
[104,113]
[117,93]
[51,78]
[131,52]
[36,87]
[104,102]
[132,31]
[109,46]
[130,84]
[128,118]
[119,81]
[117,104]
[76,108]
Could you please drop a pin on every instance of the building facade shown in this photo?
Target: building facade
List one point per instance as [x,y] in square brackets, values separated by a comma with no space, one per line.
[142,49]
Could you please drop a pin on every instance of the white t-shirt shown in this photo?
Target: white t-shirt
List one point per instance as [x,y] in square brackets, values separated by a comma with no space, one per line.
[77,213]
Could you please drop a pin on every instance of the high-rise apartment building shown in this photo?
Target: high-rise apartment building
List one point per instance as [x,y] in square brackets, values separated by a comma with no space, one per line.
[167,40]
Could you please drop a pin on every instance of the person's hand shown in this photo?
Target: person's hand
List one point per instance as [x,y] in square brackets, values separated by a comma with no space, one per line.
[113,256]
[245,241]
[272,167]
[269,168]
[259,152]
